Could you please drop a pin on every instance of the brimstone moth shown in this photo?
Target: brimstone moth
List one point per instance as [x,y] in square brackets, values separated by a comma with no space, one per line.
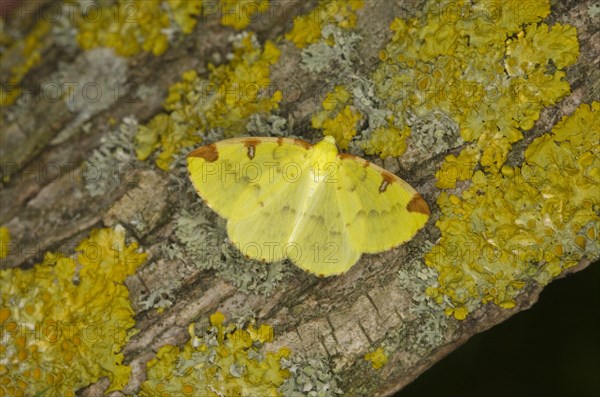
[321,209]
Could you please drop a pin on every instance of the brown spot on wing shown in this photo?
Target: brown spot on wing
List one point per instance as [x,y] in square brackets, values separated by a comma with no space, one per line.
[302,143]
[388,179]
[417,204]
[347,156]
[279,141]
[209,153]
[317,219]
[359,160]
[383,186]
[251,144]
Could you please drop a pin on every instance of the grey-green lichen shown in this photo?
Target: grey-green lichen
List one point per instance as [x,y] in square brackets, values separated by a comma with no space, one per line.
[433,324]
[64,32]
[91,84]
[593,10]
[432,134]
[336,51]
[271,125]
[113,161]
[160,298]
[311,377]
[204,244]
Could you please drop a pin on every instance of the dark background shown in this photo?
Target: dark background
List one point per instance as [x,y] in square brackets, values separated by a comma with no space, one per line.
[552,349]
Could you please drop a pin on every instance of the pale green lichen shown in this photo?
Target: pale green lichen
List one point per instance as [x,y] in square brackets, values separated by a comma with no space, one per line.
[311,377]
[389,122]
[526,223]
[65,321]
[432,323]
[593,10]
[99,77]
[432,134]
[336,51]
[160,298]
[225,360]
[231,94]
[271,125]
[113,162]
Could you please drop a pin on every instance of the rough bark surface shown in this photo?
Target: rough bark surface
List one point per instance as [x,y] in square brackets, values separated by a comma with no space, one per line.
[48,207]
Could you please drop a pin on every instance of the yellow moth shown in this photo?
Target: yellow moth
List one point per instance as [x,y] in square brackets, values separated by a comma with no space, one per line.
[321,209]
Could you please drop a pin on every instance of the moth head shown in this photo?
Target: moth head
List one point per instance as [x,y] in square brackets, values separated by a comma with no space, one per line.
[325,152]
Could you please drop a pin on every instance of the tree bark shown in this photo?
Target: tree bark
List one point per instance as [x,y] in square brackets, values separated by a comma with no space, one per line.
[46,206]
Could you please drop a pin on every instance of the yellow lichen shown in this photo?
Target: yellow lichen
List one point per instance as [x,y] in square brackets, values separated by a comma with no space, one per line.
[522,224]
[343,126]
[226,99]
[307,28]
[239,13]
[29,50]
[133,26]
[185,13]
[337,118]
[226,361]
[378,358]
[531,47]
[65,320]
[4,242]
[387,141]
[457,168]
[457,59]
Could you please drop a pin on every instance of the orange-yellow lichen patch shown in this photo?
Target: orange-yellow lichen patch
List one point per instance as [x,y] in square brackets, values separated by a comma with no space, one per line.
[240,13]
[377,358]
[133,26]
[4,242]
[226,99]
[307,28]
[225,361]
[457,168]
[29,50]
[524,224]
[338,117]
[457,59]
[387,141]
[64,321]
